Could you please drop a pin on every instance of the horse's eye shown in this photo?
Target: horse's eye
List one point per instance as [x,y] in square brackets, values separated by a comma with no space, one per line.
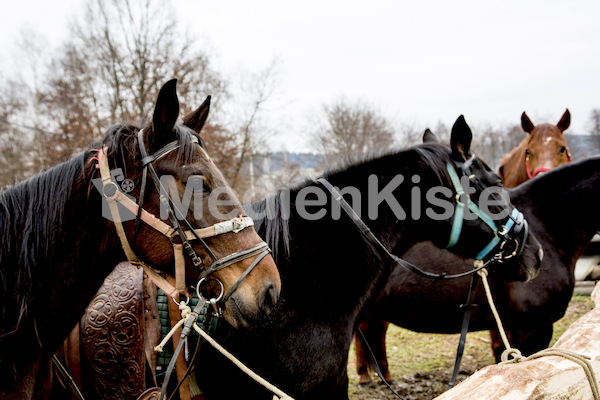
[563,149]
[527,152]
[197,184]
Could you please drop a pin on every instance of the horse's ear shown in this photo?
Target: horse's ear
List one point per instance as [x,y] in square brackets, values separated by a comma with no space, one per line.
[501,172]
[196,119]
[565,121]
[166,112]
[429,137]
[460,139]
[526,123]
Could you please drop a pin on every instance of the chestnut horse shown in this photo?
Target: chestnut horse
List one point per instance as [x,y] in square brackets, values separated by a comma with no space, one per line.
[61,238]
[545,148]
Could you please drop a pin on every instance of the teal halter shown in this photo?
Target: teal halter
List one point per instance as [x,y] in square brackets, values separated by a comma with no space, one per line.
[457,222]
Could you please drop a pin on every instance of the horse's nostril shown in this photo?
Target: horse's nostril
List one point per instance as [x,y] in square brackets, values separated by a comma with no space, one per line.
[269,298]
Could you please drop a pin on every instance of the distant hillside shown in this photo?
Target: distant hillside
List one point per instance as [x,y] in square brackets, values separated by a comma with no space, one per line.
[277,161]
[582,146]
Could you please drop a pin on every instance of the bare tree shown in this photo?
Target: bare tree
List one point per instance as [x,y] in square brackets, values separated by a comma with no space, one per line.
[247,123]
[112,68]
[593,125]
[351,128]
[491,143]
[14,145]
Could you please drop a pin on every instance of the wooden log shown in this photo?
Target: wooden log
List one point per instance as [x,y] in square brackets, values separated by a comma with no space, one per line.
[548,377]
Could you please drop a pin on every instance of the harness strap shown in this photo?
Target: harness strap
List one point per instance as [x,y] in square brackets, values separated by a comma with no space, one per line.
[245,274]
[457,222]
[114,197]
[111,199]
[464,329]
[371,358]
[459,211]
[235,257]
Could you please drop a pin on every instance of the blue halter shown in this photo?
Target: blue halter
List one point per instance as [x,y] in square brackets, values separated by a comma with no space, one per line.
[457,222]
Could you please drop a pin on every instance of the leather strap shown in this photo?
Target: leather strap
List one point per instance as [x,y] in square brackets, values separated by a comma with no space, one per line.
[464,329]
[371,358]
[374,241]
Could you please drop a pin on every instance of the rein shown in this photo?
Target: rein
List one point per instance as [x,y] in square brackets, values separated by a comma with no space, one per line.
[516,220]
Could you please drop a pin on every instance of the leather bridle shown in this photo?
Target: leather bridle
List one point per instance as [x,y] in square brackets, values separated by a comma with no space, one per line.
[509,238]
[179,235]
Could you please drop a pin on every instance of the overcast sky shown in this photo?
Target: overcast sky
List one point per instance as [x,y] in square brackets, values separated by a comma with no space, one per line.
[419,61]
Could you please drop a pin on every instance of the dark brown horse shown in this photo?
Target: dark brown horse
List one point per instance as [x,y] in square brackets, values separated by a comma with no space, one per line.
[57,245]
[545,148]
[561,207]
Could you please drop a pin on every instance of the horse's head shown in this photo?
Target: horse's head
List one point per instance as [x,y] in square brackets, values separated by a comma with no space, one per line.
[484,225]
[192,225]
[546,147]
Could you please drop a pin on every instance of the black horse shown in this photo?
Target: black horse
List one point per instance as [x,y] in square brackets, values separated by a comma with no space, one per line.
[561,207]
[56,246]
[329,271]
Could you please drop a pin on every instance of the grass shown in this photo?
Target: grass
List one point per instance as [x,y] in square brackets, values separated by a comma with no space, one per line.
[431,356]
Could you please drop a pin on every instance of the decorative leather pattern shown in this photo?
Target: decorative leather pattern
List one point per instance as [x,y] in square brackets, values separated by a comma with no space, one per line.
[112,337]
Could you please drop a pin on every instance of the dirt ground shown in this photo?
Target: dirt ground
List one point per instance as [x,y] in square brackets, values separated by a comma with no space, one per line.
[422,363]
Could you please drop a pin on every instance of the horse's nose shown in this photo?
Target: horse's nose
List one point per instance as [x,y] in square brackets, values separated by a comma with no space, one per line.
[269,298]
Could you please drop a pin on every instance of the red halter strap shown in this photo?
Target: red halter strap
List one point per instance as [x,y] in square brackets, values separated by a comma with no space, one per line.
[537,171]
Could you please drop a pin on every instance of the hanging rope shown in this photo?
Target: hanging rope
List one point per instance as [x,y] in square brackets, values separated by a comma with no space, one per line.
[515,353]
[512,355]
[186,312]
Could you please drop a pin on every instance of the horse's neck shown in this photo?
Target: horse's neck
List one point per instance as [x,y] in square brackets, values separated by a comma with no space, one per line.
[514,169]
[564,210]
[334,254]
[59,240]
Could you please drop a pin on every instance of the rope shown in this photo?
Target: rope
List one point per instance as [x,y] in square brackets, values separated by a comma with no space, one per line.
[488,293]
[186,312]
[241,366]
[517,357]
[582,360]
[66,376]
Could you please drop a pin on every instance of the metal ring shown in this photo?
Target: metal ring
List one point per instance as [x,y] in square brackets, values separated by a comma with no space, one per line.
[514,252]
[219,297]
[173,237]
[104,190]
[187,300]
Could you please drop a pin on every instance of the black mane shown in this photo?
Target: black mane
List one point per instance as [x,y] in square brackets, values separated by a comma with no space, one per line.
[31,213]
[274,226]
